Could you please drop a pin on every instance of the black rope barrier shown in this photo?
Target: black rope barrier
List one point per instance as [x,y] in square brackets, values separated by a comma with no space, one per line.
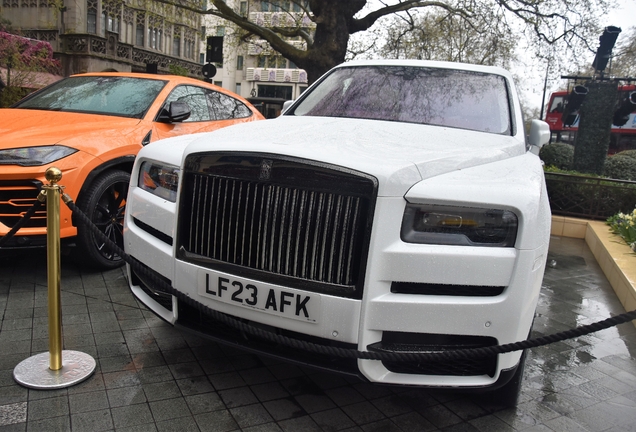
[24,219]
[344,352]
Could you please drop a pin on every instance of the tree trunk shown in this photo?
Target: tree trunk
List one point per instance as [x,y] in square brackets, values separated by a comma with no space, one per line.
[333,21]
[595,124]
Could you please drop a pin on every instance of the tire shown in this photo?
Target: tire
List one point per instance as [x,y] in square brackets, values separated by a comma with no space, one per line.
[104,203]
[508,395]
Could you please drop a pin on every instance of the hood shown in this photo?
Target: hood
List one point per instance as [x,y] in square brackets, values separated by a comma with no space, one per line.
[28,128]
[398,154]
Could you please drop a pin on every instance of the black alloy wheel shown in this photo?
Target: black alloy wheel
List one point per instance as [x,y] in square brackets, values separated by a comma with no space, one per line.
[105,204]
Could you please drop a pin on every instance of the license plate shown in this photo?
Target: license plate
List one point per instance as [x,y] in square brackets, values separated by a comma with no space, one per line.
[285,302]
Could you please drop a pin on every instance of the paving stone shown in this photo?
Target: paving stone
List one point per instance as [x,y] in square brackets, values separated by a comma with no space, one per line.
[152,377]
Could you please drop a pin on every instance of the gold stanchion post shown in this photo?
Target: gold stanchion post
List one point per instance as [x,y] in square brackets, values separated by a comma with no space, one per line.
[52,191]
[63,368]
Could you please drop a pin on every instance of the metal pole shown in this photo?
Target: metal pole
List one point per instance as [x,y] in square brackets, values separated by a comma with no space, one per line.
[545,85]
[53,175]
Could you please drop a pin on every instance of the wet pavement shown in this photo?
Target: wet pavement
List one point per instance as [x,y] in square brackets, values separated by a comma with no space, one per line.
[150,377]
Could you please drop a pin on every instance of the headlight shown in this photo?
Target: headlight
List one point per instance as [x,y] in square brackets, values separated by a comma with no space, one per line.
[160,180]
[462,226]
[34,156]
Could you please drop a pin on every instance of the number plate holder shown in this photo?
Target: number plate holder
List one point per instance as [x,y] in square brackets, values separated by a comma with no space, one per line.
[271,299]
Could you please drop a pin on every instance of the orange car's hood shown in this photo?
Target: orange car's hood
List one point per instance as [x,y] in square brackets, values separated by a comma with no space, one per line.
[28,128]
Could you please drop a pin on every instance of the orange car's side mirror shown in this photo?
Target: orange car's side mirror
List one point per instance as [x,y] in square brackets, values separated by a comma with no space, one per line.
[175,113]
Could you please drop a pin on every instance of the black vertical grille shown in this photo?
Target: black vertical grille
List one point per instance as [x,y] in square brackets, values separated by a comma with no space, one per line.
[279,217]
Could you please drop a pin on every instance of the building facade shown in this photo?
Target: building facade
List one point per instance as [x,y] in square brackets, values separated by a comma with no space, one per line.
[251,67]
[116,35]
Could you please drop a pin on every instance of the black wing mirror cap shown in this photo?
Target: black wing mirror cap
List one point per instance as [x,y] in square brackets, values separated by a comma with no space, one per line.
[176,113]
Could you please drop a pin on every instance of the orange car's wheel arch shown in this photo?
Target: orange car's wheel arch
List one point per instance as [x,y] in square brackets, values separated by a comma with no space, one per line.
[108,178]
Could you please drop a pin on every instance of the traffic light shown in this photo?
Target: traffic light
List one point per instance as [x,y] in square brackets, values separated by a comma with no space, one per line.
[604,51]
[214,49]
[627,106]
[574,101]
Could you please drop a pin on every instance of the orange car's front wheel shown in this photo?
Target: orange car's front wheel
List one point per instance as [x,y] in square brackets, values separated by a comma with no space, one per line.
[104,203]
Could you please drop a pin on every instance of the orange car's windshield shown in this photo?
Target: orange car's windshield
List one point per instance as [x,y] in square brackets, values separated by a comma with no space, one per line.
[118,96]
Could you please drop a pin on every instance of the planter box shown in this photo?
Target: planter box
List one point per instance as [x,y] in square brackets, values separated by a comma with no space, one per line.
[615,258]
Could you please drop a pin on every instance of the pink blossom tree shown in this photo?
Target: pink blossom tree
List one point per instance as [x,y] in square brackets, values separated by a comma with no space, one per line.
[21,60]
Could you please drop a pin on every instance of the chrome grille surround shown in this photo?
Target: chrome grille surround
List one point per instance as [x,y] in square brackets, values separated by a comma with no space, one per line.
[281,220]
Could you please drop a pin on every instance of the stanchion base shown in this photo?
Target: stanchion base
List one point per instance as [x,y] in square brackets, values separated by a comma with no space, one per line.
[35,373]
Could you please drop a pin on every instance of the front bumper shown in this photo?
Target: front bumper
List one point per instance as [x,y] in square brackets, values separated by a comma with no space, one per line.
[386,318]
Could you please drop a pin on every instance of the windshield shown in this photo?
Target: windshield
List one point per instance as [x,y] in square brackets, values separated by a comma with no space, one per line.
[443,97]
[118,96]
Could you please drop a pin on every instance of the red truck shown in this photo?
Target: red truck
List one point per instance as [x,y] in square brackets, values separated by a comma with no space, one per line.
[564,127]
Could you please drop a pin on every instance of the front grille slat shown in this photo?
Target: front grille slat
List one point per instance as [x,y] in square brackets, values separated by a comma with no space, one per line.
[315,252]
[351,238]
[312,225]
[237,225]
[302,222]
[306,252]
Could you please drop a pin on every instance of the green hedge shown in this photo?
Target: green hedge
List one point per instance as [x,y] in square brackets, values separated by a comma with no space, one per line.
[620,166]
[557,154]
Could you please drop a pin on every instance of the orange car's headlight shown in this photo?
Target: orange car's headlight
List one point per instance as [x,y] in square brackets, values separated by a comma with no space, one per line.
[34,156]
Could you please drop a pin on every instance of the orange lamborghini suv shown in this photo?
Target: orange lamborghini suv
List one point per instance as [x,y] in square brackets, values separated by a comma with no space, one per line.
[91,126]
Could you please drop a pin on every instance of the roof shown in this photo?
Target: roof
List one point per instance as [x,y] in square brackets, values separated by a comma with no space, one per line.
[429,63]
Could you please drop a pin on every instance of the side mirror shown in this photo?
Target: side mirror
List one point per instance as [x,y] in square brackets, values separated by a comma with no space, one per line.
[176,113]
[539,135]
[286,105]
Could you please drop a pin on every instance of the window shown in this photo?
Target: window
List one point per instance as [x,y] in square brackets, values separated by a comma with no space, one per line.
[237,90]
[239,63]
[243,8]
[155,34]
[208,105]
[273,62]
[202,58]
[450,98]
[275,91]
[176,47]
[140,35]
[557,105]
[113,24]
[117,96]
[220,30]
[129,33]
[102,29]
[195,98]
[91,21]
[299,5]
[218,83]
[224,107]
